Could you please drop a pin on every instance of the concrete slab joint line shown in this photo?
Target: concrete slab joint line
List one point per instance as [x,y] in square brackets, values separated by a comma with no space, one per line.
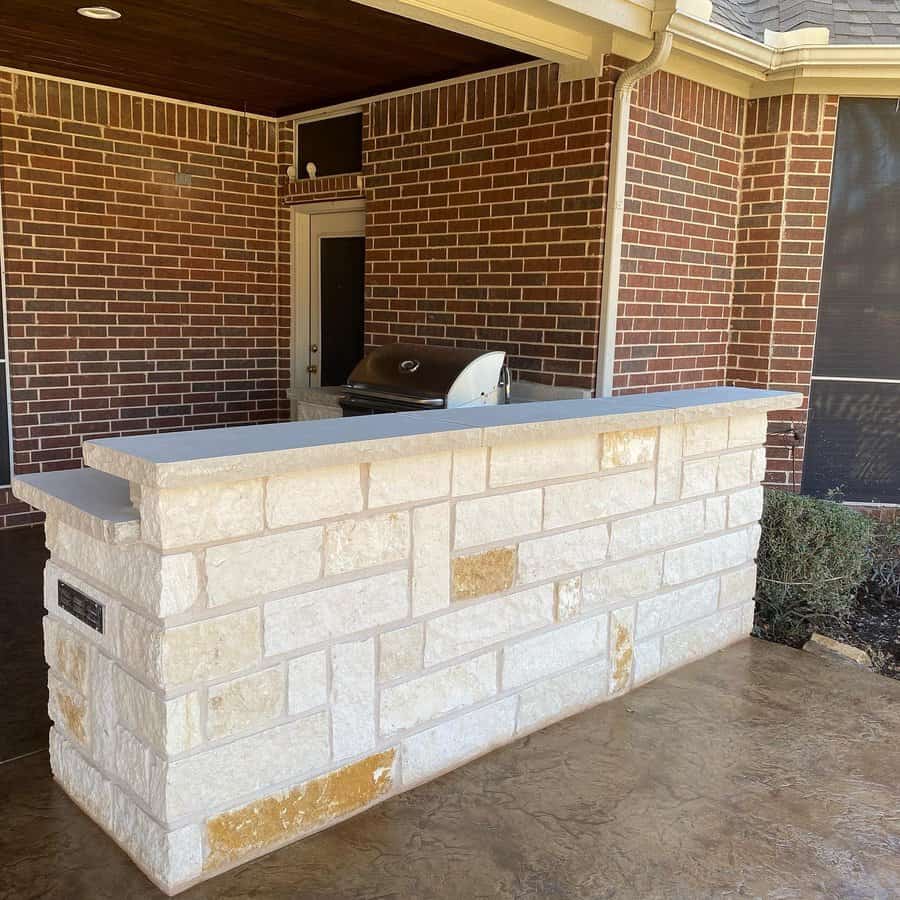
[251,686]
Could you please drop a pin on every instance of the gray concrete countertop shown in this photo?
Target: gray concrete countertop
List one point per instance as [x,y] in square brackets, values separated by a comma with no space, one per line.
[232,454]
[93,501]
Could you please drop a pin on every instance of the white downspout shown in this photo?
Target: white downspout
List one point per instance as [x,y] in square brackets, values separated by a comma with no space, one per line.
[615,206]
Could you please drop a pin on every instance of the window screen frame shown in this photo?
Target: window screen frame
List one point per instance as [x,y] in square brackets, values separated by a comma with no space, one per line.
[828,372]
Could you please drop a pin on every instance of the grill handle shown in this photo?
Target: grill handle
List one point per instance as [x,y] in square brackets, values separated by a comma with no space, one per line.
[505,383]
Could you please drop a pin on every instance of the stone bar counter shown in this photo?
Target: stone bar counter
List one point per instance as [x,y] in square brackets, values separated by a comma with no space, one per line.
[256,632]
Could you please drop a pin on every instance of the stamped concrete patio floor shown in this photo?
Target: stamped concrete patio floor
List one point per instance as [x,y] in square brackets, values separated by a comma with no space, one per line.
[758,772]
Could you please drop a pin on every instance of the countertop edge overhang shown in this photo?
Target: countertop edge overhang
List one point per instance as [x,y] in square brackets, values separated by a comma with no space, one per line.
[189,458]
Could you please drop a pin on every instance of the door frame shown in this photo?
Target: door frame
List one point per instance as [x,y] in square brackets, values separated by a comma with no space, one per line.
[301,287]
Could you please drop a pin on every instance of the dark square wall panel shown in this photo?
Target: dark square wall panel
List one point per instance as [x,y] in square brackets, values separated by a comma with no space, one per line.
[333,145]
[854,441]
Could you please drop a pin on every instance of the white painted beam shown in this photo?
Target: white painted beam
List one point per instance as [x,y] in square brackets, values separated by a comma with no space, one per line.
[534,27]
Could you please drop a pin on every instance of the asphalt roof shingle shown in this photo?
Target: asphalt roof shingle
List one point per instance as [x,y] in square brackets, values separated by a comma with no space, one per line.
[849,21]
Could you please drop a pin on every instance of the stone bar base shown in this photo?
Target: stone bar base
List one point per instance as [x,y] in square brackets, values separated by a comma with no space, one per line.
[298,624]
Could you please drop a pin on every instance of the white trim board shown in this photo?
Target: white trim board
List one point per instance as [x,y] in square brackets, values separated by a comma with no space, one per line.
[301,292]
[866,380]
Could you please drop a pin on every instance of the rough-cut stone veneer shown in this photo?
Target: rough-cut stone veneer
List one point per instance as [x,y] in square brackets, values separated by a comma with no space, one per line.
[265,672]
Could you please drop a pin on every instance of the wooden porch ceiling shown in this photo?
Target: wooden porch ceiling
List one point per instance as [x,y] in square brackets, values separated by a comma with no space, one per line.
[271,57]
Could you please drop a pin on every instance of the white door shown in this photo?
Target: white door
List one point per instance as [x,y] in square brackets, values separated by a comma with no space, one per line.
[329,262]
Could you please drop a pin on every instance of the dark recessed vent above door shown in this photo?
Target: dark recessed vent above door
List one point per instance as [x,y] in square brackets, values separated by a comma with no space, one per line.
[329,146]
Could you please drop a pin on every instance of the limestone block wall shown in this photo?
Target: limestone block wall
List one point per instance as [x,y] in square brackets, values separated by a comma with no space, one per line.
[284,650]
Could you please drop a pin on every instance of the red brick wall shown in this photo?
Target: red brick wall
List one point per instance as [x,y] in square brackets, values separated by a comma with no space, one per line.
[136,303]
[788,152]
[683,183]
[485,219]
[332,187]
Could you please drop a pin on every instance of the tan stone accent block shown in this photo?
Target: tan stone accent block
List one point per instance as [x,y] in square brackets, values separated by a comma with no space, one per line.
[541,460]
[431,558]
[497,518]
[568,598]
[485,573]
[264,824]
[69,709]
[469,471]
[67,654]
[211,648]
[201,515]
[360,543]
[409,479]
[252,568]
[401,651]
[621,622]
[310,496]
[709,436]
[628,448]
[579,502]
[244,703]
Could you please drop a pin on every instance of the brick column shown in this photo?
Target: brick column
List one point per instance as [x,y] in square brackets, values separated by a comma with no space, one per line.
[788,149]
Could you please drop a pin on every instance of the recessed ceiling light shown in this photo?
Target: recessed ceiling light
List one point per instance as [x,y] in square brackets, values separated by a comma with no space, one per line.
[99,12]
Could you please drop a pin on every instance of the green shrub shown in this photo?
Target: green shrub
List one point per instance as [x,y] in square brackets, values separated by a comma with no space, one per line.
[813,555]
[883,581]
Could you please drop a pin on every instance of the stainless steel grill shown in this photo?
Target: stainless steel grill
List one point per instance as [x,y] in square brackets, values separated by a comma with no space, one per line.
[403,377]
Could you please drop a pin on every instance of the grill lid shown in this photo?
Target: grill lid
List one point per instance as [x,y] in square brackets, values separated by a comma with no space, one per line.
[417,370]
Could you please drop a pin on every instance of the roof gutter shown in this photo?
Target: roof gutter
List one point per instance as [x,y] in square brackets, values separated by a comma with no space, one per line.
[615,205]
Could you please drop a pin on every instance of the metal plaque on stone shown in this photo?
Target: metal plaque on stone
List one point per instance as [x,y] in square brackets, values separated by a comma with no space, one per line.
[81,606]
